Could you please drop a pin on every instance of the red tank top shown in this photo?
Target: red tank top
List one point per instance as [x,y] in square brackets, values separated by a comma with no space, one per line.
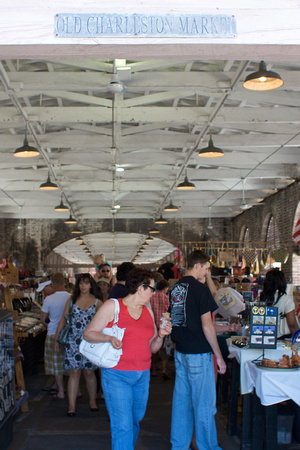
[136,349]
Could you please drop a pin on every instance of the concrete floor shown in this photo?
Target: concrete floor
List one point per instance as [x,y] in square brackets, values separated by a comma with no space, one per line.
[46,427]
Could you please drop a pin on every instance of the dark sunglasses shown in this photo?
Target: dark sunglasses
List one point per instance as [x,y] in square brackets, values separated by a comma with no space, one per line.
[148,286]
[102,270]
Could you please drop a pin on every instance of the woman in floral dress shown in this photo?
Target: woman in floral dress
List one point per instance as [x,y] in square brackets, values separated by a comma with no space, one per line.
[85,306]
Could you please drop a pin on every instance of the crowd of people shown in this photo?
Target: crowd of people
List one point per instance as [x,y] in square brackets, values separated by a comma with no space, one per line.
[189,334]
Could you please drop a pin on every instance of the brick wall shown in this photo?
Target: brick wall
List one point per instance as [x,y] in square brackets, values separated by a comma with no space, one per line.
[33,244]
[283,206]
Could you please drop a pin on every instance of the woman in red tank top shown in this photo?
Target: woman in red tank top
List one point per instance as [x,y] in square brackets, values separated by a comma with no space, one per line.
[126,386]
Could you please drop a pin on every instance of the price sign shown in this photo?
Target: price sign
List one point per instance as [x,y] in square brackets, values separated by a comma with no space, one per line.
[263,327]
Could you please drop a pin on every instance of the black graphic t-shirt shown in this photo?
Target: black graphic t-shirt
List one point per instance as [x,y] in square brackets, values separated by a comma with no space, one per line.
[189,300]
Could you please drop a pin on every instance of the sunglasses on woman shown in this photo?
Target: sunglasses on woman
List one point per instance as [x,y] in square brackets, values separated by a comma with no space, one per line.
[148,286]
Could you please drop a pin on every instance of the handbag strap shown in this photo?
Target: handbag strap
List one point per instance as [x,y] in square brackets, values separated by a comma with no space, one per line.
[70,306]
[117,310]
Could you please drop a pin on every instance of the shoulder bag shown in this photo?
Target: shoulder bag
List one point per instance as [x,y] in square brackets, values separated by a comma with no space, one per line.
[103,354]
[63,336]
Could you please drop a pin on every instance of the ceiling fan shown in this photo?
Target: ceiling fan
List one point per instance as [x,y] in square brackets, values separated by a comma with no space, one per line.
[244,205]
[209,225]
[21,225]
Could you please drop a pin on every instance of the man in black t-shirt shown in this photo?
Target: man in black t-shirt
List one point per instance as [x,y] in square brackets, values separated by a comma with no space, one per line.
[194,396]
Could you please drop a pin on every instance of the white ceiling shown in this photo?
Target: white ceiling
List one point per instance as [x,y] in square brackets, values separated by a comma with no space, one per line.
[117,247]
[153,129]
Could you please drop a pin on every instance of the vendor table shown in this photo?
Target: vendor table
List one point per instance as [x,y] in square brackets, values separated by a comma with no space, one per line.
[242,355]
[271,387]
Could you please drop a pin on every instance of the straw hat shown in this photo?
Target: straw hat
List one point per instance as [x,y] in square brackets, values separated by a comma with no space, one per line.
[104,280]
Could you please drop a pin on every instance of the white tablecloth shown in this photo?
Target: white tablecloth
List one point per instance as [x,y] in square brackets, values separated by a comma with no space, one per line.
[242,355]
[273,386]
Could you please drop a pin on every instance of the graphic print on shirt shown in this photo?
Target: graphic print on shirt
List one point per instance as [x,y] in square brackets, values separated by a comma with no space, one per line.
[178,304]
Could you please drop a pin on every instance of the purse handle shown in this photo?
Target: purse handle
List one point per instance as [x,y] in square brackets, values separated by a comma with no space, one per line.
[117,310]
[70,306]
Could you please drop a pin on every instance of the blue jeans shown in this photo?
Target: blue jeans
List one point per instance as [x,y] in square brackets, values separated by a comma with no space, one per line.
[126,395]
[194,402]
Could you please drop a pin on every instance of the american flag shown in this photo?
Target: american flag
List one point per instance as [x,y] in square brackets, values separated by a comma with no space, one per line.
[296,234]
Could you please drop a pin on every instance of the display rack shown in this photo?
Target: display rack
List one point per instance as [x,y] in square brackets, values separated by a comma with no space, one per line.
[18,368]
[7,379]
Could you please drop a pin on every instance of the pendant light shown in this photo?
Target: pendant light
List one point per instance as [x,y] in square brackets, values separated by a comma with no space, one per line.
[149,239]
[171,207]
[160,220]
[76,230]
[153,230]
[26,151]
[186,185]
[79,239]
[48,185]
[70,219]
[145,244]
[211,151]
[61,206]
[263,80]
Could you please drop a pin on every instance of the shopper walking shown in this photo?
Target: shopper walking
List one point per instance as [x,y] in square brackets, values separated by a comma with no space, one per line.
[85,306]
[194,396]
[51,313]
[126,386]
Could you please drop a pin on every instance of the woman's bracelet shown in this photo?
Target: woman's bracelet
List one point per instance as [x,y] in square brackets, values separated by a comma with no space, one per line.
[161,337]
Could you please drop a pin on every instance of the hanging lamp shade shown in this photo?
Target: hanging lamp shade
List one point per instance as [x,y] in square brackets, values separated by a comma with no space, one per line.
[211,151]
[149,239]
[70,220]
[160,220]
[263,80]
[48,185]
[76,230]
[153,230]
[145,244]
[82,244]
[171,207]
[79,238]
[61,206]
[186,185]
[26,151]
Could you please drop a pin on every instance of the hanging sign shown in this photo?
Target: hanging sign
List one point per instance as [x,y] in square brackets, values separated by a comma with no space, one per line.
[144,25]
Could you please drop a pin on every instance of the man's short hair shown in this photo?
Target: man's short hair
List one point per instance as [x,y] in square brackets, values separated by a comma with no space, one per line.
[162,284]
[58,279]
[196,257]
[123,270]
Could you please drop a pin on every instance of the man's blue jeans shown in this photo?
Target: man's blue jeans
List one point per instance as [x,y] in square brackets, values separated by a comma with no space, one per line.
[194,402]
[126,395]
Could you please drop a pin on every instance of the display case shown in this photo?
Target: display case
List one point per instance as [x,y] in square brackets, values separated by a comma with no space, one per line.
[7,379]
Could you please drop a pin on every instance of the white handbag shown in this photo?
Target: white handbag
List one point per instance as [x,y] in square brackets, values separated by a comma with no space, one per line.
[103,354]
